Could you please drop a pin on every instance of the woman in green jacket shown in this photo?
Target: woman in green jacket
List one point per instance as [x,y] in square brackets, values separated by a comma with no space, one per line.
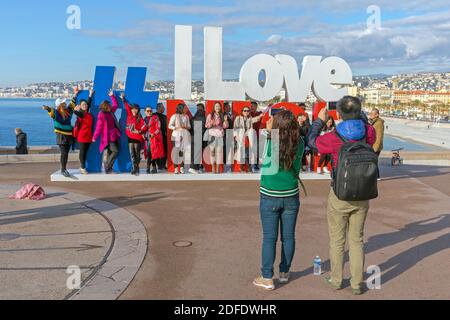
[280,195]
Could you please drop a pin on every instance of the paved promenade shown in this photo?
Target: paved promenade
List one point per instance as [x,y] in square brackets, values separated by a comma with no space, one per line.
[204,238]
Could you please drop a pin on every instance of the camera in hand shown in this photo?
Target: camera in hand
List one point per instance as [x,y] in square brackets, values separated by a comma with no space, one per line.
[274,111]
[332,105]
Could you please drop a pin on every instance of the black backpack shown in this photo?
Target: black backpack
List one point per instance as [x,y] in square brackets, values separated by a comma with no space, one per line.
[356,174]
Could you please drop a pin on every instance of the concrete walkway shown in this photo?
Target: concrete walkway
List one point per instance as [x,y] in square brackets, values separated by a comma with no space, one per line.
[205,236]
[43,241]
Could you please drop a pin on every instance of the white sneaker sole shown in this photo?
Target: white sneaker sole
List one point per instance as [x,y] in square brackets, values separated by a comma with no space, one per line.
[283,280]
[266,287]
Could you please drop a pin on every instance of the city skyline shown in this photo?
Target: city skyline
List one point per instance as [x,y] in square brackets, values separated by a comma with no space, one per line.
[414,38]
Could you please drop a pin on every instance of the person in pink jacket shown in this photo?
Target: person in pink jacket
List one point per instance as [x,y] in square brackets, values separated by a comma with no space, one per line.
[216,122]
[107,128]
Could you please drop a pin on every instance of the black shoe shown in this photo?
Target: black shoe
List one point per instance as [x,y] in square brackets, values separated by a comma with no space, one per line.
[148,171]
[65,173]
[154,170]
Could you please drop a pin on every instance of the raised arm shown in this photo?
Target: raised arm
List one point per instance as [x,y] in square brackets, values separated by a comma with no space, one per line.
[91,94]
[257,118]
[73,102]
[125,103]
[50,111]
[114,103]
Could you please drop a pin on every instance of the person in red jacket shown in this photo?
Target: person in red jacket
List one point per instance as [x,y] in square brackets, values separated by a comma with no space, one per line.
[82,130]
[135,130]
[154,146]
[345,218]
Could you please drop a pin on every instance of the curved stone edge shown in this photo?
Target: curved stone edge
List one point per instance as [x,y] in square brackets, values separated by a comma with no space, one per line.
[128,251]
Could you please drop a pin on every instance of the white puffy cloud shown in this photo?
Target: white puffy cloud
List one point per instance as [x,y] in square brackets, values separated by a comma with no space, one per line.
[418,41]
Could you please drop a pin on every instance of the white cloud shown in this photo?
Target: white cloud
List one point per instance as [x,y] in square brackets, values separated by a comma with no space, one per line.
[420,41]
[274,39]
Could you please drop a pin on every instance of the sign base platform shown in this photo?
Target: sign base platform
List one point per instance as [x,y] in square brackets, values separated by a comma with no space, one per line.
[76,176]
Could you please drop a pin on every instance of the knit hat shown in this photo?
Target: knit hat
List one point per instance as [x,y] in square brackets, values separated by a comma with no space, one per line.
[59,101]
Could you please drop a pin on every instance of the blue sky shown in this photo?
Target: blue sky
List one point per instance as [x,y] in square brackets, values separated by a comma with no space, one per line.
[37,46]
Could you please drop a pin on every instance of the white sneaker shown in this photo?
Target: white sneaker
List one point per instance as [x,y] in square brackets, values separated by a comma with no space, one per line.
[182,170]
[176,170]
[284,277]
[83,171]
[318,170]
[325,169]
[264,283]
[193,171]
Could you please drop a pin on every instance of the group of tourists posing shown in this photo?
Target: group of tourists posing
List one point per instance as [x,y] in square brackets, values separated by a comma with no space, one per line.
[150,133]
[147,131]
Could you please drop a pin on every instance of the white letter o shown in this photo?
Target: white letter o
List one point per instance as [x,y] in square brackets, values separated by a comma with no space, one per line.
[249,77]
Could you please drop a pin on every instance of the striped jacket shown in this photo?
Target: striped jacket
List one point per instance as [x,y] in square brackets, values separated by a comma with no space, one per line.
[61,125]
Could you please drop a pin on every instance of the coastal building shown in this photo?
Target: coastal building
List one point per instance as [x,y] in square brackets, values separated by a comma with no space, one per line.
[378,96]
[422,96]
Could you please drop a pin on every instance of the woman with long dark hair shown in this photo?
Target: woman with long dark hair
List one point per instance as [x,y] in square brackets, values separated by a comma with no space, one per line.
[62,122]
[154,146]
[326,158]
[216,122]
[279,195]
[82,130]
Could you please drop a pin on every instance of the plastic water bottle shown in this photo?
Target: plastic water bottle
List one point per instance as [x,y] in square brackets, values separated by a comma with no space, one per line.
[317,266]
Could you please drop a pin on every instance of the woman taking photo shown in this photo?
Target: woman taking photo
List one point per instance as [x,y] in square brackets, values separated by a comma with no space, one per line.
[216,122]
[62,122]
[108,128]
[82,130]
[181,138]
[135,130]
[279,195]
[246,140]
[326,158]
[154,145]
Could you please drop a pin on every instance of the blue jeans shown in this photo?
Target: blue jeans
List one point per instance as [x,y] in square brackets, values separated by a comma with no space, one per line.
[275,212]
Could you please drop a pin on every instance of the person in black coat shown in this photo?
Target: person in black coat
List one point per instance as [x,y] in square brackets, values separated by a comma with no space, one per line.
[304,127]
[163,120]
[21,142]
[200,116]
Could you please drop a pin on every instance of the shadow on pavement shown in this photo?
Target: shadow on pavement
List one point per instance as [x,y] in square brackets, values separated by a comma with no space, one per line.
[70,209]
[406,259]
[411,170]
[128,201]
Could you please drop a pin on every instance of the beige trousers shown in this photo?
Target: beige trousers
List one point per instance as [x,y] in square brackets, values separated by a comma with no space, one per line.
[346,218]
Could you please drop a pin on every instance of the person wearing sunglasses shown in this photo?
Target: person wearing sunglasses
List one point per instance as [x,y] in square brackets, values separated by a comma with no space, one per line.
[245,137]
[216,123]
[154,144]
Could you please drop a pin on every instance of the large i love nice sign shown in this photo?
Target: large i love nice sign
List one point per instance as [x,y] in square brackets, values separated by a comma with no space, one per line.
[323,76]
